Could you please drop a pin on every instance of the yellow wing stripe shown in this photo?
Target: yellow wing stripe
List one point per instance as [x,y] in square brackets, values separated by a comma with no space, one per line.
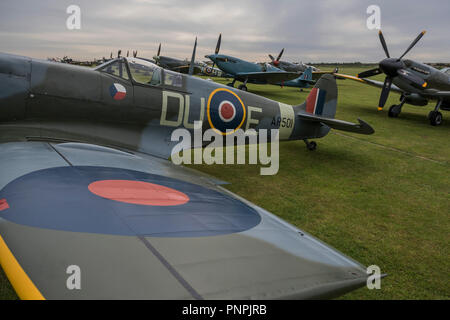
[22,284]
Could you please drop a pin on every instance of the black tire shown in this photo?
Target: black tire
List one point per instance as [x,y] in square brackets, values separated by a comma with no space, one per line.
[242,87]
[435,118]
[392,113]
[312,146]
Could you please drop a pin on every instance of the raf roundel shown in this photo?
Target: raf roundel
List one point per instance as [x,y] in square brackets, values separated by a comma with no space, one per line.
[226,111]
[117,91]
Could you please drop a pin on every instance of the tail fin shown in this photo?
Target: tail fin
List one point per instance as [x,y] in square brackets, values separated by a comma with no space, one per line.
[320,106]
[307,74]
[322,99]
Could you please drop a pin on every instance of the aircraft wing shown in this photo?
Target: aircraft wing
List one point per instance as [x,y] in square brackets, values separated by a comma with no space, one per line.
[185,69]
[442,94]
[269,77]
[81,221]
[374,83]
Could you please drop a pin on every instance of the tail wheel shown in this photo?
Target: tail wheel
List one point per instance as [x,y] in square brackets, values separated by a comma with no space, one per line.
[312,146]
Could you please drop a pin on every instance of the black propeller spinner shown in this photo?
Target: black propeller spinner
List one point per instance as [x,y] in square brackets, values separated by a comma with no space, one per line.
[393,67]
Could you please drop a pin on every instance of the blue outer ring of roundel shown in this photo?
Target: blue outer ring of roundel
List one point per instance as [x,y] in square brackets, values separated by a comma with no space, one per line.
[215,121]
[58,199]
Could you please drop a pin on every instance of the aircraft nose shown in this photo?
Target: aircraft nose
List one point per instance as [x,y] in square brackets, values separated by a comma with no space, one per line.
[390,66]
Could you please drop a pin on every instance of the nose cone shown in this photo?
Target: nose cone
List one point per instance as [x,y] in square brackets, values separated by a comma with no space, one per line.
[212,57]
[389,66]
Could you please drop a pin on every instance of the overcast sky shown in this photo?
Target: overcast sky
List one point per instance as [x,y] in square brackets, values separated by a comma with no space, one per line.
[326,30]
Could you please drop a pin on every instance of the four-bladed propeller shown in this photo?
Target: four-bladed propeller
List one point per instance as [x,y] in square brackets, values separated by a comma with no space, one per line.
[392,68]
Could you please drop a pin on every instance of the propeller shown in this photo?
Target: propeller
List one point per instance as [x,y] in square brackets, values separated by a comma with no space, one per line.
[111,56]
[394,67]
[191,65]
[128,53]
[276,61]
[134,53]
[219,41]
[159,50]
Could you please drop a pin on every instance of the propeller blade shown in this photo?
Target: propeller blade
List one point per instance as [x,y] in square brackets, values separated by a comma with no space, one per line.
[413,44]
[281,53]
[383,43]
[271,58]
[191,65]
[118,53]
[135,54]
[369,73]
[128,53]
[414,79]
[218,44]
[385,92]
[159,50]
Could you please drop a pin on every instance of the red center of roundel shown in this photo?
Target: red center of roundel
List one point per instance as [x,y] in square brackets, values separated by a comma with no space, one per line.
[227,111]
[138,192]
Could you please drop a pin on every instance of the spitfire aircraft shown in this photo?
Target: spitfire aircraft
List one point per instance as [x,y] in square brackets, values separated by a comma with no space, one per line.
[249,72]
[182,66]
[417,83]
[86,188]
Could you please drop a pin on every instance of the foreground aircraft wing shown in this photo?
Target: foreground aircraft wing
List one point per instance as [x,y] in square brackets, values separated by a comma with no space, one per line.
[269,77]
[362,127]
[81,221]
[374,83]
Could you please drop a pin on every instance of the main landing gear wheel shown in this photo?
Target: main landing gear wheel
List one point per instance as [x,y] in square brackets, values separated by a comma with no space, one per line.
[242,87]
[393,111]
[435,118]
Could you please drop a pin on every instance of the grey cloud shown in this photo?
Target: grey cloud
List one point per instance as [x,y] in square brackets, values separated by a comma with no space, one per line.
[315,31]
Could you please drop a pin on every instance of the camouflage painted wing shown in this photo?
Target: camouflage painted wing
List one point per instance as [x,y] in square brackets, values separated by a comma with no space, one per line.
[268,77]
[373,83]
[131,226]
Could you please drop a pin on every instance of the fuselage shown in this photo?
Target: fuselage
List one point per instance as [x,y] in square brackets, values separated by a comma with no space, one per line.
[436,79]
[43,99]
[235,66]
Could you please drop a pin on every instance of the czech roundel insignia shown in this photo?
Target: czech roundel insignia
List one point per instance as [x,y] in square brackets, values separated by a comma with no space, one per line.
[117,91]
[226,111]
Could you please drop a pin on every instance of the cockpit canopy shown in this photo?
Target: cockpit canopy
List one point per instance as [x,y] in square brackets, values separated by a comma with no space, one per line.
[446,70]
[141,71]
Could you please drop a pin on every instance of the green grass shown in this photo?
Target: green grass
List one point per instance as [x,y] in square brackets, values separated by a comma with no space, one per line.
[381,199]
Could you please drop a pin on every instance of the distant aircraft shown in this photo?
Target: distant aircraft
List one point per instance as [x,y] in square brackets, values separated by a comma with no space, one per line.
[182,66]
[416,82]
[249,72]
[88,197]
[297,67]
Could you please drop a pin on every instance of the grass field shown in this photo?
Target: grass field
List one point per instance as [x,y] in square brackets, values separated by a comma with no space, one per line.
[381,199]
